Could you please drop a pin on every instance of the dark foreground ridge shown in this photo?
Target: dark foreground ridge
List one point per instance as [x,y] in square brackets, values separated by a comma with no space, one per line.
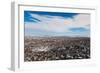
[56,48]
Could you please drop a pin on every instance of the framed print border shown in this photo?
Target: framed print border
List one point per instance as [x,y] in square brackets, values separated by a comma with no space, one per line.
[17,32]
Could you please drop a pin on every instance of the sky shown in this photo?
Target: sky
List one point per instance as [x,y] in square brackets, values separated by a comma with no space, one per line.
[39,23]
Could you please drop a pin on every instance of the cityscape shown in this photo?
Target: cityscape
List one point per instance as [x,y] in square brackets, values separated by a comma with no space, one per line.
[56,36]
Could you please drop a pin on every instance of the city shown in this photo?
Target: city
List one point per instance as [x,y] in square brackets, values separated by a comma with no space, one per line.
[56,48]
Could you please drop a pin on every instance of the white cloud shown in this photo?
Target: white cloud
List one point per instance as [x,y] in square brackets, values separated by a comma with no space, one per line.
[82,20]
[57,23]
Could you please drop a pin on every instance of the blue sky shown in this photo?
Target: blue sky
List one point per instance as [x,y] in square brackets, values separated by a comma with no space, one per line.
[38,23]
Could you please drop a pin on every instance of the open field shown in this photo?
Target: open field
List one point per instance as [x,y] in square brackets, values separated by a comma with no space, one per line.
[56,48]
